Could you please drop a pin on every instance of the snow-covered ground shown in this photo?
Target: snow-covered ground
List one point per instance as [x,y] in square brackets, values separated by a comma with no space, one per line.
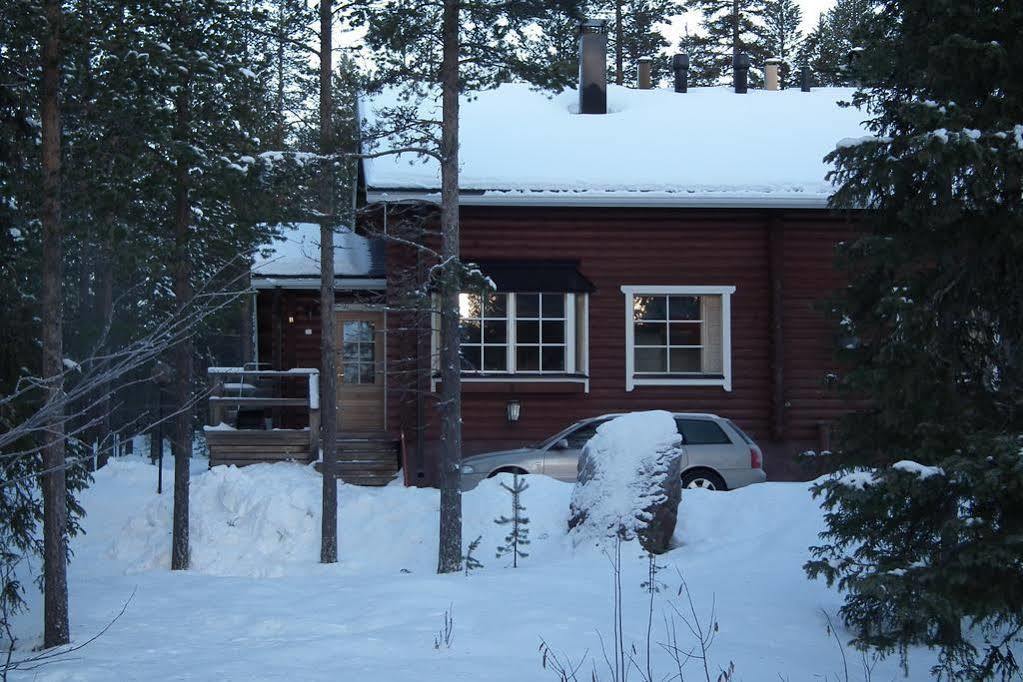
[257,605]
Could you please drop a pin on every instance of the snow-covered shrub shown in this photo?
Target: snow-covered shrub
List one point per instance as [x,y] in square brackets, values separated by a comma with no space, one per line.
[629,483]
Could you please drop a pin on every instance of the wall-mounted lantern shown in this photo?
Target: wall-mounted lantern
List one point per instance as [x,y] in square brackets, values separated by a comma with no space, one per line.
[514,410]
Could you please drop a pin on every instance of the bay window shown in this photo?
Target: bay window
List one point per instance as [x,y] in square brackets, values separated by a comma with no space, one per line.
[522,333]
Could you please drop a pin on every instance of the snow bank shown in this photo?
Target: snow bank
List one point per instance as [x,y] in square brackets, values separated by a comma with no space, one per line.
[627,473]
[707,144]
[374,615]
[263,520]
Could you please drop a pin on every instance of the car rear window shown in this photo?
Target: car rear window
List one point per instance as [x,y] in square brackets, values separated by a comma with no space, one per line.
[742,434]
[702,432]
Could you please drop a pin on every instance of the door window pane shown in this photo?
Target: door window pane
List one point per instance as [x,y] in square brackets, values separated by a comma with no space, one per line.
[358,352]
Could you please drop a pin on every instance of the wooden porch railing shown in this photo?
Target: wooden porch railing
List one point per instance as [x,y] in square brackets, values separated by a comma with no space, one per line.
[256,391]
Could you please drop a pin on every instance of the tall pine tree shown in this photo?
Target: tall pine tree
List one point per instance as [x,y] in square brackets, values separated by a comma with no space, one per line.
[839,32]
[930,540]
[727,28]
[781,37]
[445,50]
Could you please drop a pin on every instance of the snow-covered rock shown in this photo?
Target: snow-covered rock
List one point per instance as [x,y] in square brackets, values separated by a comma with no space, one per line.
[629,484]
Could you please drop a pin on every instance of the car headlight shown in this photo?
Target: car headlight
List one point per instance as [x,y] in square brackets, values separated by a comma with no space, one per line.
[468,469]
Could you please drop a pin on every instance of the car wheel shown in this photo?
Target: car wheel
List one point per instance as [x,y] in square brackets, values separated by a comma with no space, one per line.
[703,479]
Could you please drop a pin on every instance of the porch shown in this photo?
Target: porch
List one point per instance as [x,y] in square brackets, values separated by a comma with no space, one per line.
[274,416]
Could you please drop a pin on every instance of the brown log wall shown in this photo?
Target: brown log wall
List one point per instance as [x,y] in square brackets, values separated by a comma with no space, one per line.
[616,247]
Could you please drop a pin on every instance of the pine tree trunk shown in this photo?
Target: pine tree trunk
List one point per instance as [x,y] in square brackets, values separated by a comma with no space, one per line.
[183,351]
[328,330]
[450,558]
[247,347]
[279,94]
[104,312]
[56,630]
[735,30]
[619,45]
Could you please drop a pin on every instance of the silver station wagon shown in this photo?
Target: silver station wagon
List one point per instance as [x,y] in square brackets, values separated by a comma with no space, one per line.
[717,455]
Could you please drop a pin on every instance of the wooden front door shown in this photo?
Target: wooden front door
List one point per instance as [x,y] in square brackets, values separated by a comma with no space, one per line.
[360,371]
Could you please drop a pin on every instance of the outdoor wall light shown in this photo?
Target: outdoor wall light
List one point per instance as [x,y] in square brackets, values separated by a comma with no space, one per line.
[514,409]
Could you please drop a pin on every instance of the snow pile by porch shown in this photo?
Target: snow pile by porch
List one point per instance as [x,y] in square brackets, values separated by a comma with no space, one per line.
[375,615]
[264,521]
[709,144]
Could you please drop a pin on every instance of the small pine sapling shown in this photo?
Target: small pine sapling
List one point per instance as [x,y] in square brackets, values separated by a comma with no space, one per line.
[470,561]
[518,537]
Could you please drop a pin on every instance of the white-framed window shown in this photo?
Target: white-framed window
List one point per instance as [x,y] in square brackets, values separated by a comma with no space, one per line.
[522,333]
[678,336]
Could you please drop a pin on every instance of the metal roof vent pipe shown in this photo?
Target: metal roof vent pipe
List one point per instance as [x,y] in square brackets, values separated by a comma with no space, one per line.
[680,65]
[772,74]
[644,67]
[593,66]
[740,72]
[804,79]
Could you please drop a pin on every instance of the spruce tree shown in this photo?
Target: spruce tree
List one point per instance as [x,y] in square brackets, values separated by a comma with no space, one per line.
[518,535]
[929,541]
[839,32]
[636,29]
[781,37]
[728,28]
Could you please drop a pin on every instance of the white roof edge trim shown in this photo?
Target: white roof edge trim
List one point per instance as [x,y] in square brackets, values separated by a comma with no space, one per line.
[261,283]
[607,199]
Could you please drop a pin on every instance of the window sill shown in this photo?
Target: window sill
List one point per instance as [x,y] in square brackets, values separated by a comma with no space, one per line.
[706,380]
[521,383]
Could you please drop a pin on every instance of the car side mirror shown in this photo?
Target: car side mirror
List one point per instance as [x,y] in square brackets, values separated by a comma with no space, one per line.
[561,444]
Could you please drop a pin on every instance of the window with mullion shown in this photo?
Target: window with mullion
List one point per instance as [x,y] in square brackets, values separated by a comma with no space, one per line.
[484,329]
[540,333]
[667,334]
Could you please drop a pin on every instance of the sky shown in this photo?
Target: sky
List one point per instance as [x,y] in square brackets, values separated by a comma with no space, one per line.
[811,10]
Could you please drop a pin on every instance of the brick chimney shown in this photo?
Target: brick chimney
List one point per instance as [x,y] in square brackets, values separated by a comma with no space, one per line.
[644,67]
[593,66]
[772,74]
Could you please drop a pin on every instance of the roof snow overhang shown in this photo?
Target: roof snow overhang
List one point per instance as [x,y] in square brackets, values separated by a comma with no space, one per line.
[606,199]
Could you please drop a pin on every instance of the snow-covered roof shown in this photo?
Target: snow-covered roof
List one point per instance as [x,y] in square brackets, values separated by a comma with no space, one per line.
[294,257]
[708,147]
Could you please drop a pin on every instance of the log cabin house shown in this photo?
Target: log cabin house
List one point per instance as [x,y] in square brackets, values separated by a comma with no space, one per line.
[651,249]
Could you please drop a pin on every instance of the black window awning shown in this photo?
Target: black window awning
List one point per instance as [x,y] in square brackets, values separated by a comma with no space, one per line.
[550,276]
